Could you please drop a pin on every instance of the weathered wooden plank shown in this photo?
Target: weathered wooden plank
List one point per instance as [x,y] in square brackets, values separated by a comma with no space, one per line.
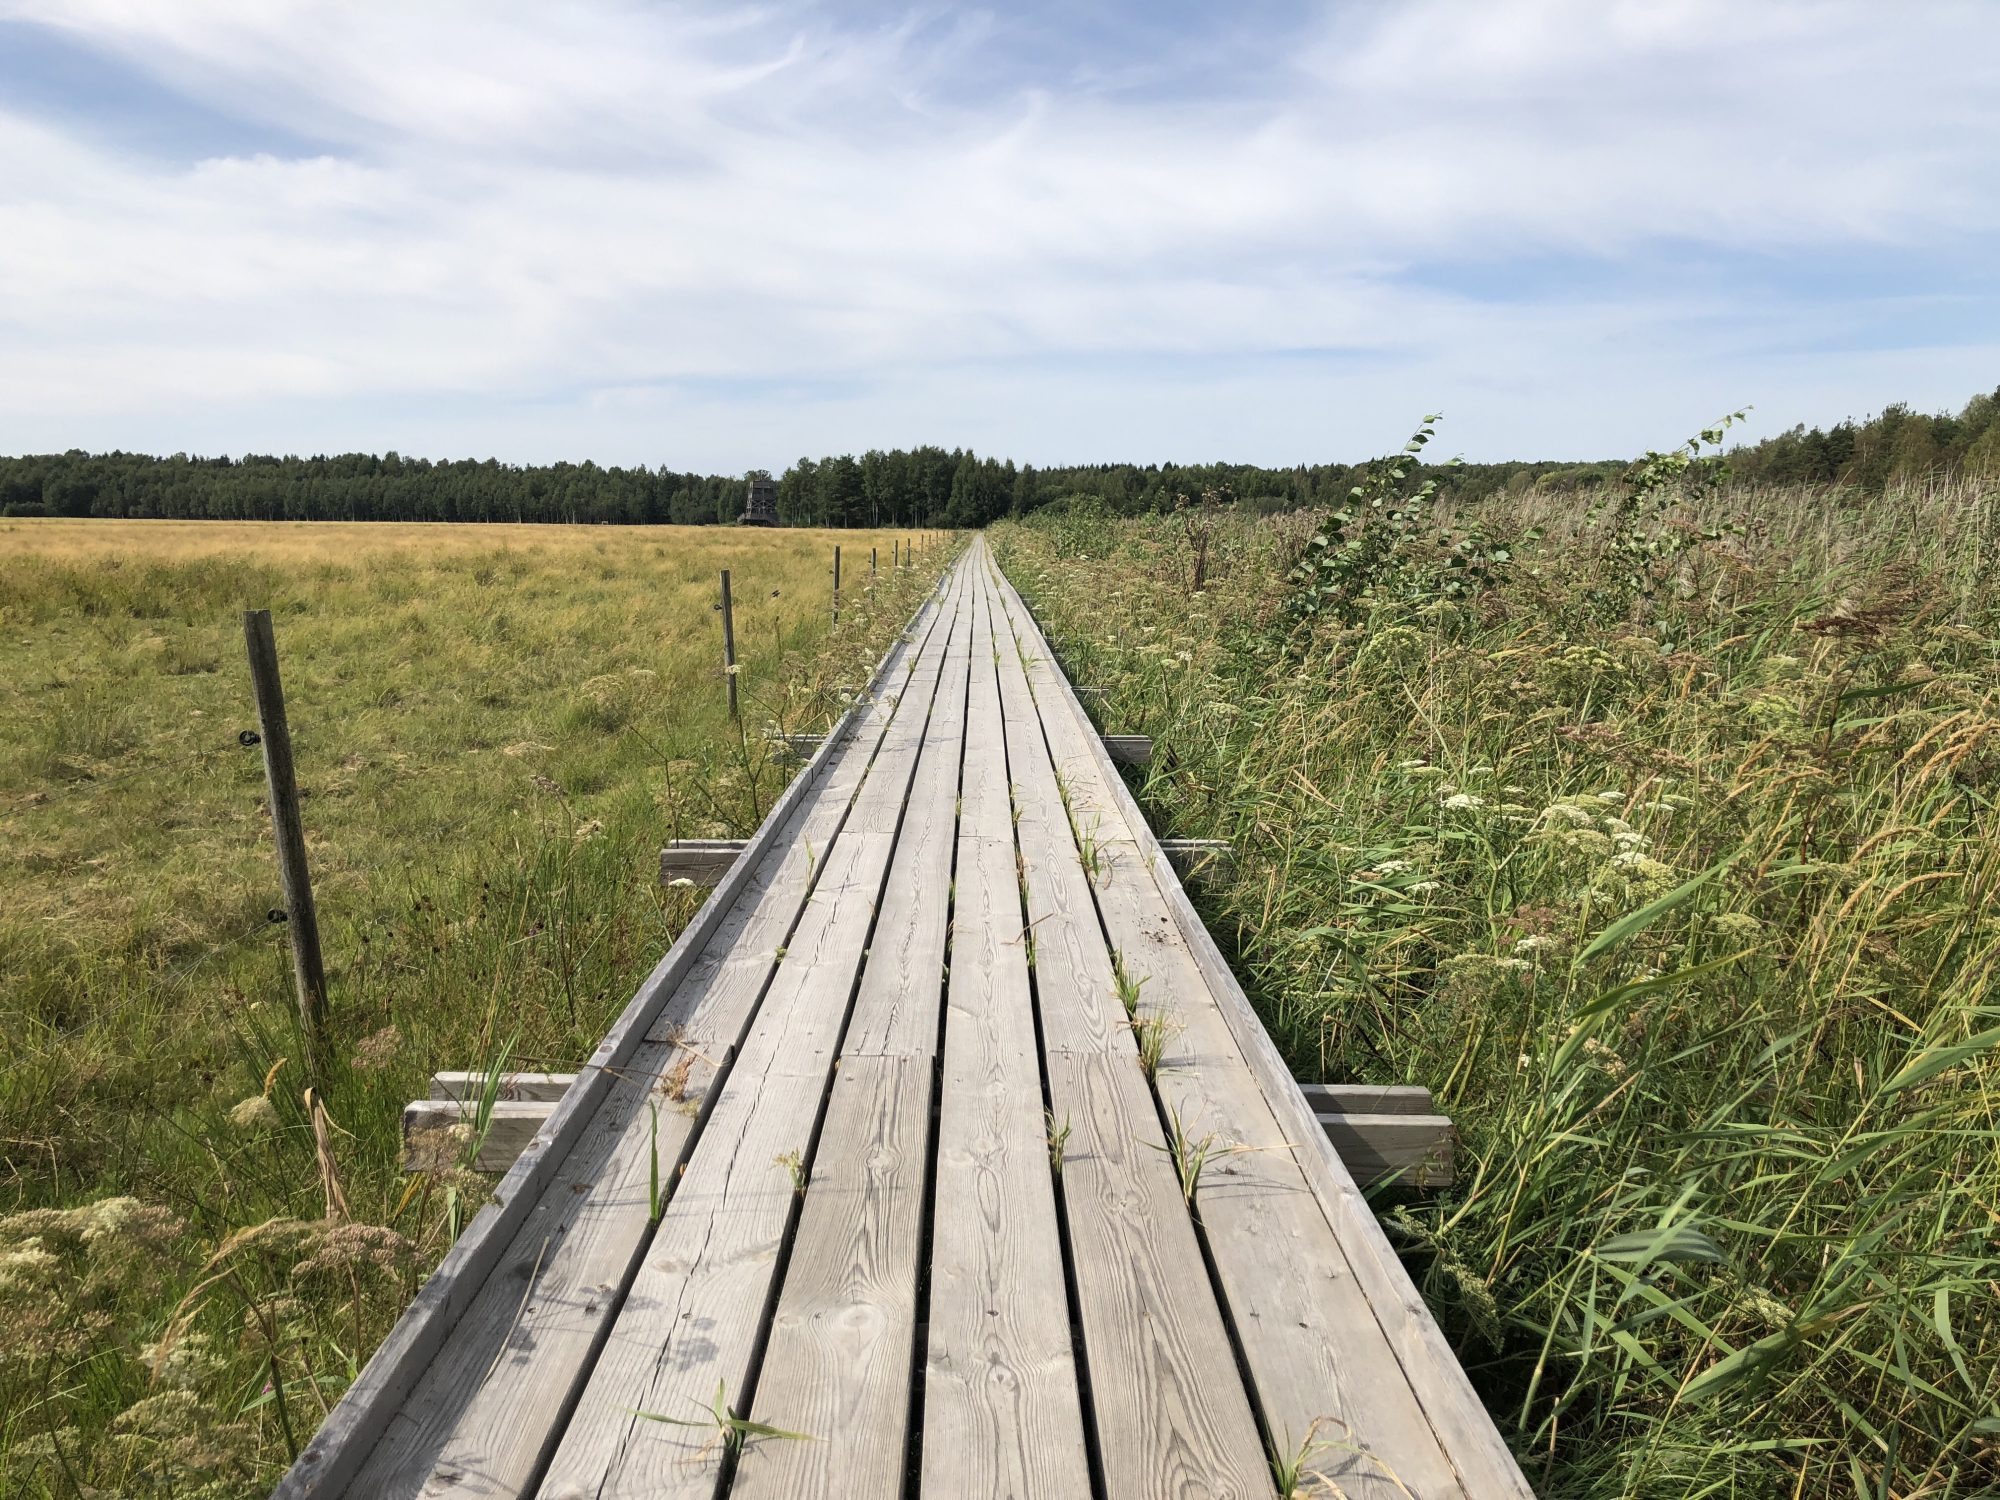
[406,1396]
[471,1084]
[1465,1432]
[1380,1132]
[1368,1098]
[502,1386]
[476,1423]
[1076,991]
[1309,1335]
[1171,1413]
[698,861]
[1204,859]
[690,1323]
[748,960]
[510,1127]
[1410,1150]
[484,1426]
[1002,1411]
[1129,749]
[697,1300]
[898,1008]
[837,1365]
[801,745]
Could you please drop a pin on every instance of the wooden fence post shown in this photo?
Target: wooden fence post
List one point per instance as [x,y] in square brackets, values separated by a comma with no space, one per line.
[871,565]
[301,917]
[728,643]
[836,585]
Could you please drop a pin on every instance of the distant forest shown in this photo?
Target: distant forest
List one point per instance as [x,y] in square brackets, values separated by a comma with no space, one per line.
[921,487]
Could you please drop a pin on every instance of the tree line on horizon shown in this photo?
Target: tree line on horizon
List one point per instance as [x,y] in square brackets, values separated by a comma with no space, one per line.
[927,486]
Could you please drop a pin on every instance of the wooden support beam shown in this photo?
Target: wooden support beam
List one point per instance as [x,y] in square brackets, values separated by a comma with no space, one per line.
[703,861]
[530,1087]
[1386,1131]
[800,745]
[1090,694]
[510,1130]
[1368,1098]
[1213,859]
[1131,749]
[1411,1150]
[1381,1132]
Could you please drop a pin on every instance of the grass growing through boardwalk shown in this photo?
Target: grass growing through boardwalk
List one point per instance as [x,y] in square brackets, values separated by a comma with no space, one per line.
[496,727]
[1663,844]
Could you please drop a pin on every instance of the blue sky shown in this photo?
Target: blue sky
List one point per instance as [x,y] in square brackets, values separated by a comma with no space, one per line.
[719,236]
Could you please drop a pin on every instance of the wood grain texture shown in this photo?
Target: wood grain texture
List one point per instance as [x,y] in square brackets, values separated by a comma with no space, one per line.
[504,1380]
[1369,1098]
[1075,987]
[691,1322]
[837,1365]
[897,1009]
[471,1084]
[1418,1151]
[511,1125]
[426,1353]
[1172,1415]
[797,1026]
[1310,1337]
[1002,1412]
[1466,1433]
[481,1425]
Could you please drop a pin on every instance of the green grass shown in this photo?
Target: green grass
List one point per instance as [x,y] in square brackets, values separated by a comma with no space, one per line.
[495,729]
[1684,898]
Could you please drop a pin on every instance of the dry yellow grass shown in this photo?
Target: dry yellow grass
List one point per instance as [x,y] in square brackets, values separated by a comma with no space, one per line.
[348,542]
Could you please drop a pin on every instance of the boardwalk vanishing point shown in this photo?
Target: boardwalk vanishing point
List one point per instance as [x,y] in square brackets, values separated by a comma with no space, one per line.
[941,1157]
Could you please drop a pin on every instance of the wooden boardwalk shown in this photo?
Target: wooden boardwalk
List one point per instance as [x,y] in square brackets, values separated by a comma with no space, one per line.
[875,1157]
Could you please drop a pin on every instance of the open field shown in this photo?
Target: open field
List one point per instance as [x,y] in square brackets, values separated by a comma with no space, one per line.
[1668,852]
[496,727]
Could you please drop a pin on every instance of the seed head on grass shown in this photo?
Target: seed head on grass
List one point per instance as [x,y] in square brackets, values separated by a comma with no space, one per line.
[254,1113]
[794,1163]
[1128,987]
[1058,1137]
[1151,1033]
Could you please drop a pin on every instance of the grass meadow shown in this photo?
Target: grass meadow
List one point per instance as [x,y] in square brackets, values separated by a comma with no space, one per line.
[495,729]
[1682,894]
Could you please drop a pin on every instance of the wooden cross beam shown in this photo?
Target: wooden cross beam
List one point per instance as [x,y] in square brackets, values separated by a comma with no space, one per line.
[1130,749]
[1382,1133]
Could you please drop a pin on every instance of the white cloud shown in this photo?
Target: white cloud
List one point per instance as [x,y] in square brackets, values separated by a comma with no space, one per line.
[516,206]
